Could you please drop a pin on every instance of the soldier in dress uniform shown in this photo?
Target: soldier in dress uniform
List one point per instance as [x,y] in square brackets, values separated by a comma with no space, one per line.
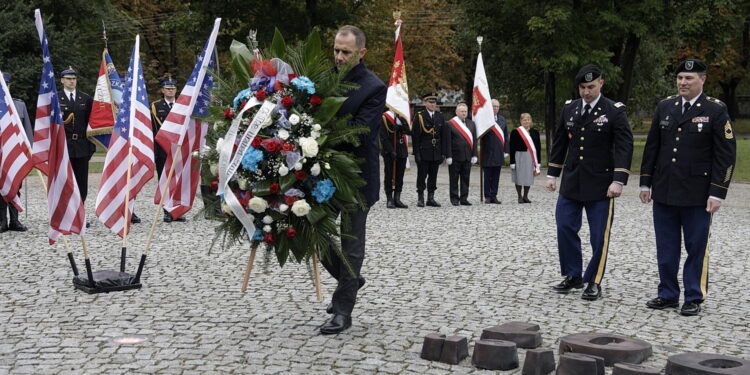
[76,108]
[592,147]
[159,111]
[686,169]
[393,146]
[8,210]
[460,149]
[494,150]
[427,128]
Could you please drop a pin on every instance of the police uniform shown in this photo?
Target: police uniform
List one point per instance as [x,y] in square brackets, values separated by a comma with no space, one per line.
[76,115]
[8,210]
[159,111]
[427,129]
[689,158]
[591,151]
[393,147]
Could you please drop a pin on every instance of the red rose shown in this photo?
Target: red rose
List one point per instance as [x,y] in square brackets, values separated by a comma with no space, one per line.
[242,104]
[268,238]
[287,102]
[256,142]
[215,185]
[292,76]
[274,188]
[286,147]
[289,200]
[260,95]
[242,198]
[271,145]
[228,114]
[301,175]
[315,100]
[291,232]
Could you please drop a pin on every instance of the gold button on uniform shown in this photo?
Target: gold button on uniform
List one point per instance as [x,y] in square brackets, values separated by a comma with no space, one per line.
[581,138]
[674,160]
[581,148]
[674,150]
[679,129]
[582,129]
[580,157]
[677,139]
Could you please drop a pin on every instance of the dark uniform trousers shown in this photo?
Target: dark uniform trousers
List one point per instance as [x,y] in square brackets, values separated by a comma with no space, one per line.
[388,178]
[159,111]
[353,244]
[459,170]
[491,182]
[395,152]
[688,158]
[427,171]
[80,149]
[428,149]
[593,151]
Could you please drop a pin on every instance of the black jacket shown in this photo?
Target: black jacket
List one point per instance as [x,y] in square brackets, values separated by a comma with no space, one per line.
[427,133]
[393,137]
[455,145]
[689,157]
[76,118]
[493,152]
[594,151]
[517,144]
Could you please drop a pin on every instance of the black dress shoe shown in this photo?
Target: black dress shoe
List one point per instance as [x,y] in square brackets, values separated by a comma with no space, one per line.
[135,219]
[520,200]
[338,323]
[432,203]
[661,303]
[526,200]
[329,308]
[570,282]
[181,219]
[455,203]
[465,203]
[16,226]
[690,308]
[88,223]
[167,217]
[592,292]
[3,227]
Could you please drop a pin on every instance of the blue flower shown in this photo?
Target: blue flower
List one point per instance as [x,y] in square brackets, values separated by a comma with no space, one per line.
[258,235]
[305,84]
[323,190]
[252,157]
[243,95]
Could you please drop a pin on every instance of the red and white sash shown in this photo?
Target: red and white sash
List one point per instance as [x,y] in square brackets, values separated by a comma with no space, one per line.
[499,134]
[464,131]
[526,137]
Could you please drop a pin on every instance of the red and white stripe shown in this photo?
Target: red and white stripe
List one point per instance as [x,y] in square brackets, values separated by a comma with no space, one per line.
[15,152]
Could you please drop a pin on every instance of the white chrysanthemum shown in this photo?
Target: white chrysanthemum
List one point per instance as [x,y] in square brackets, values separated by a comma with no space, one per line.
[298,167]
[315,170]
[267,219]
[283,134]
[257,204]
[283,170]
[283,207]
[309,146]
[269,121]
[294,119]
[316,127]
[315,134]
[301,208]
[267,228]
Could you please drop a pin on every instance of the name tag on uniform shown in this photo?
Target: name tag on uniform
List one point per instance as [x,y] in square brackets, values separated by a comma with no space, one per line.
[569,124]
[700,119]
[601,120]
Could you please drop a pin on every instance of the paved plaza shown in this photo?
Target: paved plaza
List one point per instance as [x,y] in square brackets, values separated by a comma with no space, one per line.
[454,270]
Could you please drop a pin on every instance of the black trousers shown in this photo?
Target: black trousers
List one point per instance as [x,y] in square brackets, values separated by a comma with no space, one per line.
[427,170]
[345,294]
[491,181]
[81,171]
[459,170]
[160,157]
[8,208]
[388,183]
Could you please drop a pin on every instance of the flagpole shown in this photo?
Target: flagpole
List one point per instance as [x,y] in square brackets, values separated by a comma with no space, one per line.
[69,252]
[248,268]
[133,92]
[481,170]
[316,276]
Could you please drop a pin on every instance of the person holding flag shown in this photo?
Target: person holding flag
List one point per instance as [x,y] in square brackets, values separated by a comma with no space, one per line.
[494,148]
[394,147]
[159,111]
[594,145]
[525,158]
[459,147]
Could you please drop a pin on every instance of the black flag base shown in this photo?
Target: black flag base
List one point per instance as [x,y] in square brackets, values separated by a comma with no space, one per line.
[106,281]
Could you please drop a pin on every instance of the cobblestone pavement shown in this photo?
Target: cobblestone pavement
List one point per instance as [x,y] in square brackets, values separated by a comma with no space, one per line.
[453,270]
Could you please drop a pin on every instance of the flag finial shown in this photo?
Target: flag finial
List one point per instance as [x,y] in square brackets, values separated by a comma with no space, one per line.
[479,41]
[104,34]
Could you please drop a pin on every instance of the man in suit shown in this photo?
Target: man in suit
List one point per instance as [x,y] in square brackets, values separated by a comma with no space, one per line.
[6,209]
[159,111]
[365,105]
[395,152]
[459,147]
[493,153]
[686,169]
[427,130]
[594,145]
[76,108]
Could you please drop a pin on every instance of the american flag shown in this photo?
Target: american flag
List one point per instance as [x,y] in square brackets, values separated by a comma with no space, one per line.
[65,207]
[131,143]
[182,131]
[15,150]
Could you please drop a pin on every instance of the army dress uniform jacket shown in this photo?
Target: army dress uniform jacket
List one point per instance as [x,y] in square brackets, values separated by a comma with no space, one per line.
[426,137]
[455,145]
[159,111]
[393,138]
[689,157]
[593,151]
[76,118]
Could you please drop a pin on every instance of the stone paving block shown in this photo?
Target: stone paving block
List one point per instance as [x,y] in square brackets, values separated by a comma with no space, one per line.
[495,355]
[633,369]
[613,348]
[432,348]
[706,364]
[525,335]
[455,349]
[539,362]
[579,364]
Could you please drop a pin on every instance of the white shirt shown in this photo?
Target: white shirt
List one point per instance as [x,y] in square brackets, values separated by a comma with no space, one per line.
[67,93]
[592,104]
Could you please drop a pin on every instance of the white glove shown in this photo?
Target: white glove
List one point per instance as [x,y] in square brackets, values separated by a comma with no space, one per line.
[512,166]
[506,155]
[449,161]
[473,160]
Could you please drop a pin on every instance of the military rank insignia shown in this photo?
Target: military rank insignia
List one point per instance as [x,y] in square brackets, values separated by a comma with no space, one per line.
[728,131]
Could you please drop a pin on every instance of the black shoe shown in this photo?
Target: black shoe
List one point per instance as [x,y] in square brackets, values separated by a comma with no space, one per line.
[329,308]
[88,223]
[135,219]
[181,219]
[3,227]
[420,199]
[526,200]
[167,217]
[520,200]
[592,292]
[455,203]
[16,226]
[690,308]
[389,200]
[465,203]
[570,282]
[661,303]
[337,324]
[397,200]
[431,200]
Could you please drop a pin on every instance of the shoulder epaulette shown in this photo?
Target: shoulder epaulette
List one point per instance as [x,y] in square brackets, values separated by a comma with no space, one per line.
[717,101]
[568,101]
[670,97]
[619,105]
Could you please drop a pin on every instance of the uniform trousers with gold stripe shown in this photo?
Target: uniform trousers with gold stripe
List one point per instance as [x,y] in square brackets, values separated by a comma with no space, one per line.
[569,215]
[670,223]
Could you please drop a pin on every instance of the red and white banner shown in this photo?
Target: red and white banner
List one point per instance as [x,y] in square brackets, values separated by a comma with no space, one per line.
[15,149]
[464,131]
[481,104]
[397,98]
[526,137]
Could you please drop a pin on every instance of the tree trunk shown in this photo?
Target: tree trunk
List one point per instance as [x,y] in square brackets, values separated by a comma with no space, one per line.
[311,8]
[628,66]
[549,108]
[729,96]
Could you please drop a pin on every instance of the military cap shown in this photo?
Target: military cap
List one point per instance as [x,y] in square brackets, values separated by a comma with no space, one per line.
[168,83]
[691,66]
[70,73]
[6,77]
[588,73]
[431,97]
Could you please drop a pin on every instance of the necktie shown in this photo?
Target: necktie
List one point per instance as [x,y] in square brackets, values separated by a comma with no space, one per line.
[586,110]
[170,105]
[687,107]
[72,99]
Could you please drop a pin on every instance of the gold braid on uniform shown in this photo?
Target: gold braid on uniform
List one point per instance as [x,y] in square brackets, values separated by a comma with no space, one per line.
[153,112]
[71,118]
[385,122]
[421,123]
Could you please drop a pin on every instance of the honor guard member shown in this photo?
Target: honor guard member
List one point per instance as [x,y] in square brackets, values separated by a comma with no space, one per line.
[76,108]
[395,151]
[686,169]
[592,148]
[159,111]
[459,142]
[494,150]
[427,128]
[7,209]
